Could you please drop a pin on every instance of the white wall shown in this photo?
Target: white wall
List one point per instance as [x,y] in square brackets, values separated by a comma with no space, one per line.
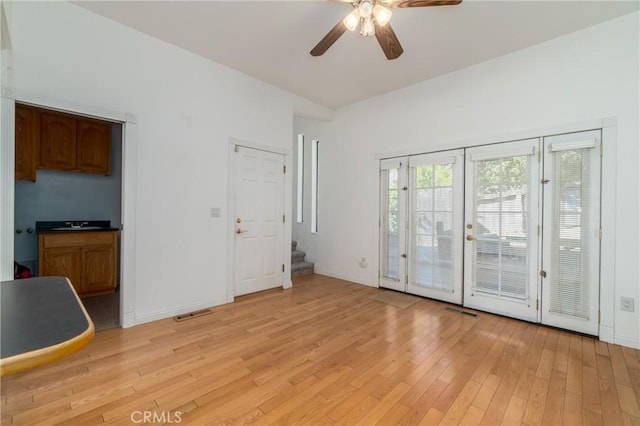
[588,75]
[186,109]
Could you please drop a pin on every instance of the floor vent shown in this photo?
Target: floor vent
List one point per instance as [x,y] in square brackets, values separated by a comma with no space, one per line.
[471,314]
[192,315]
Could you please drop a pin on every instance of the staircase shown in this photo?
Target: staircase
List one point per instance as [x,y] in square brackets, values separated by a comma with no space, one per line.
[298,265]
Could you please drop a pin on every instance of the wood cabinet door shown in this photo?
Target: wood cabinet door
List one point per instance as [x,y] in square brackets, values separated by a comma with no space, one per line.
[57,141]
[25,143]
[93,147]
[98,269]
[63,262]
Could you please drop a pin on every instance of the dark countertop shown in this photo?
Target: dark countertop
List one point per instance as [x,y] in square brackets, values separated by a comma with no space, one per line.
[42,320]
[62,231]
[53,227]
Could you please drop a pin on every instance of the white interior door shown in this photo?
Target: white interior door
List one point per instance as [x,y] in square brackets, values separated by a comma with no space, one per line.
[435,233]
[571,242]
[501,226]
[259,227]
[393,223]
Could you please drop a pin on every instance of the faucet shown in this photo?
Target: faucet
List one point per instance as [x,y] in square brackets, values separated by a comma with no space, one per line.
[76,225]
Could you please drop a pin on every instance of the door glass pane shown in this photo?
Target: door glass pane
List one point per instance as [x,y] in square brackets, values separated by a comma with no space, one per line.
[501,209]
[570,241]
[432,226]
[389,264]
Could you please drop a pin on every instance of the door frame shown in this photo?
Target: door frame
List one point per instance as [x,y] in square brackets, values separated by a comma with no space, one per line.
[127,199]
[231,203]
[609,128]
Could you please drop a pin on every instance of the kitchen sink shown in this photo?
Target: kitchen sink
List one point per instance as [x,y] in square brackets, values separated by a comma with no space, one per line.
[73,225]
[76,228]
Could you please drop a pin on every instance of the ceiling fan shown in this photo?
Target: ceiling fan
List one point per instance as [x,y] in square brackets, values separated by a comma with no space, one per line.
[373,17]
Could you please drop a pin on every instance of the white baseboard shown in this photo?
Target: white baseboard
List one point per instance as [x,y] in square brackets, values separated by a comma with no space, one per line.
[158,315]
[128,320]
[606,334]
[352,279]
[630,343]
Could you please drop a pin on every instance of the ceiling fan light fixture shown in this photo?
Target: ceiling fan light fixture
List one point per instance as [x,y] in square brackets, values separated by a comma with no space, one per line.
[382,15]
[367,28]
[365,8]
[351,21]
[373,18]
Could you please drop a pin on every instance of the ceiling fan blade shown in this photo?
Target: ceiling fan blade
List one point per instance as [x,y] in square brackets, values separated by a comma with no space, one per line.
[329,39]
[388,41]
[424,3]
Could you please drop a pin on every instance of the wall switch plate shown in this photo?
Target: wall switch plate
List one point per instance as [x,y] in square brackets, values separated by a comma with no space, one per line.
[215,212]
[626,304]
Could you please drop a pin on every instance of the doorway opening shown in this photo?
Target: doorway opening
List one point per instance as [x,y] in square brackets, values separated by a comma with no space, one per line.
[68,169]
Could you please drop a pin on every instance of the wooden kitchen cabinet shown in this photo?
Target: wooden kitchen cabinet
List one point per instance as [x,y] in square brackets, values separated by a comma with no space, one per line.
[57,141]
[26,130]
[75,144]
[64,262]
[99,269]
[93,146]
[87,258]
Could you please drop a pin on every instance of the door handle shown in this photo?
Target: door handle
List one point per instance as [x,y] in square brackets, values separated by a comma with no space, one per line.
[470,238]
[240,231]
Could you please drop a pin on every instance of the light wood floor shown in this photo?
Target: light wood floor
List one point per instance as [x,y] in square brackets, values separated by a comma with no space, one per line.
[325,352]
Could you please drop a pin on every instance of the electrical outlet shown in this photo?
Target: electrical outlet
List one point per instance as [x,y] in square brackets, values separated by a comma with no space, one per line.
[363,262]
[215,211]
[626,304]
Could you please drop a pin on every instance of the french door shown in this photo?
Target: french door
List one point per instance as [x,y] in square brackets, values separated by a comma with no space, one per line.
[571,232]
[393,223]
[501,229]
[421,225]
[521,219]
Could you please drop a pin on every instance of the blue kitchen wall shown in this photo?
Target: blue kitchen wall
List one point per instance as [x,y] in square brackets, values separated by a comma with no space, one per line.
[67,196]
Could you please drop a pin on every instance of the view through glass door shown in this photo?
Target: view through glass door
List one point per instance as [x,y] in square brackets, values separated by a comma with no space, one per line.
[435,225]
[393,196]
[501,224]
[421,225]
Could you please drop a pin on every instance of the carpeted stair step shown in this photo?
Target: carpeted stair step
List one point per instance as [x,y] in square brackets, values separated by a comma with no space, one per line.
[301,268]
[297,256]
[298,264]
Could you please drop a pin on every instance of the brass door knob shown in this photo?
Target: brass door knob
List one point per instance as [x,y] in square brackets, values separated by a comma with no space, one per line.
[239,231]
[470,238]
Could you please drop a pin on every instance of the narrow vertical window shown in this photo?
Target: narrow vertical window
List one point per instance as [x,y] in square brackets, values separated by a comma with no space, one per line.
[314,185]
[300,180]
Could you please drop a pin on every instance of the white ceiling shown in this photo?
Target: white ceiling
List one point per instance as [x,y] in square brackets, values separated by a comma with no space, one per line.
[271,40]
